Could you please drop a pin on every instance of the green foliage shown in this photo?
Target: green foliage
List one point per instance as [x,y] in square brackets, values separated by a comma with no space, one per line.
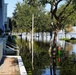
[64,39]
[68,67]
[12,38]
[40,54]
[63,15]
[23,17]
[68,14]
[42,23]
[73,41]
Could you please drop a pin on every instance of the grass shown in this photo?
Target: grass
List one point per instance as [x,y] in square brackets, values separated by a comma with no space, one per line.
[64,39]
[69,40]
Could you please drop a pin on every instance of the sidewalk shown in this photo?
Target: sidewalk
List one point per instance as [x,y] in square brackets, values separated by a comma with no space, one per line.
[9,67]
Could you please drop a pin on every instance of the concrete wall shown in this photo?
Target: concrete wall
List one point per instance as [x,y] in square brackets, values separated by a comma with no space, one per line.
[1,50]
[21,65]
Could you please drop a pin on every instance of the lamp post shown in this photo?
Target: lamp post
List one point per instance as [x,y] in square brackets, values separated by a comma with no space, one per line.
[32,39]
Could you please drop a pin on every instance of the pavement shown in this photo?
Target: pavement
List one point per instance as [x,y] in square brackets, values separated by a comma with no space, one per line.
[9,66]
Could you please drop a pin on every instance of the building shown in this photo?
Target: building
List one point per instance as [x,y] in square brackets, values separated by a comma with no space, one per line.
[2,27]
[4,20]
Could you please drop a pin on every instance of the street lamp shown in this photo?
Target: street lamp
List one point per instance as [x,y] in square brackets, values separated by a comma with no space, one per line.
[32,39]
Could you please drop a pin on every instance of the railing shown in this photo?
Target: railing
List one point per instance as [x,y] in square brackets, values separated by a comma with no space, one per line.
[1,50]
[13,47]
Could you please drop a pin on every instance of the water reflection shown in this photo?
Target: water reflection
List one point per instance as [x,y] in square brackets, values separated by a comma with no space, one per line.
[41,56]
[47,71]
[69,47]
[74,48]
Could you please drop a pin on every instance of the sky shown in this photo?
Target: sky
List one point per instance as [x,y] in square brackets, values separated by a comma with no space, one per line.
[47,8]
[11,6]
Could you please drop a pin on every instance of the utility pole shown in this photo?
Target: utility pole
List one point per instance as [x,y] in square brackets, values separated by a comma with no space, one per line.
[32,39]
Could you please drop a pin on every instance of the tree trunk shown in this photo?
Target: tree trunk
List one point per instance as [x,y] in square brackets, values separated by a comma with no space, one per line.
[51,32]
[65,33]
[53,46]
[26,40]
[38,36]
[55,37]
[46,36]
[26,37]
[42,37]
[21,37]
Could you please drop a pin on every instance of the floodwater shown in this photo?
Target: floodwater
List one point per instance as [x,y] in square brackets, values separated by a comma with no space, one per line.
[41,59]
[46,38]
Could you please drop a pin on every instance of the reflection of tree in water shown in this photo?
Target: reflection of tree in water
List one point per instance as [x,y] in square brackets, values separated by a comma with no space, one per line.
[68,65]
[41,58]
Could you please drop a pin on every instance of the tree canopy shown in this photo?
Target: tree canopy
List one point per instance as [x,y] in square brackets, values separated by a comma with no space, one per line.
[67,11]
[61,16]
[23,17]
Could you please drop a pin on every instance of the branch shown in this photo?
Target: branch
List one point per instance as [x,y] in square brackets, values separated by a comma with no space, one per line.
[54,6]
[58,2]
[65,8]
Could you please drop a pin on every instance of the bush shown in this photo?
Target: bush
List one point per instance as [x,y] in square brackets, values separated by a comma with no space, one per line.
[73,38]
[12,38]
